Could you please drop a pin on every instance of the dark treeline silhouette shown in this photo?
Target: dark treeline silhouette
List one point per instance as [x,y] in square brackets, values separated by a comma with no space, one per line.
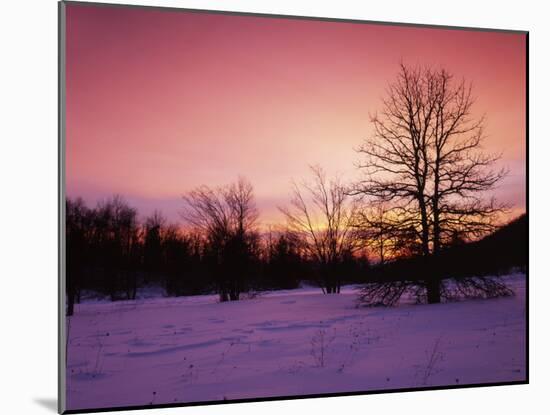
[103,249]
[110,252]
[467,269]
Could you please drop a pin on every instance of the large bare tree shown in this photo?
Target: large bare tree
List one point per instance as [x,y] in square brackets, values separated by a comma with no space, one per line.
[323,216]
[425,161]
[227,218]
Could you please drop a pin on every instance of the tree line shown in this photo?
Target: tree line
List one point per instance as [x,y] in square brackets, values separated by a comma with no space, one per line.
[424,189]
[223,250]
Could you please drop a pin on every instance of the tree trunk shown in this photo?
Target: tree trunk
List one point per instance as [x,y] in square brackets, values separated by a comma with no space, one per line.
[223,295]
[433,287]
[425,228]
[434,284]
[70,304]
[435,202]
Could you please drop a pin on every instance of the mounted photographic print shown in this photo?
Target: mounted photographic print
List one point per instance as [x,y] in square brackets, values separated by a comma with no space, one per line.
[258,207]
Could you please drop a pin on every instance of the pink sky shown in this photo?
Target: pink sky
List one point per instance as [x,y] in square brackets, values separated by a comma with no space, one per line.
[159,102]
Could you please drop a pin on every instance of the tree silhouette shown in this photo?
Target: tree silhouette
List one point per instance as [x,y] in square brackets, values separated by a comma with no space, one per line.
[116,240]
[284,261]
[181,262]
[227,217]
[424,161]
[77,227]
[154,228]
[103,249]
[323,217]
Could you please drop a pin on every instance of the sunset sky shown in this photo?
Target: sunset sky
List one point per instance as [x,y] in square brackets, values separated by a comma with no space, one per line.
[159,102]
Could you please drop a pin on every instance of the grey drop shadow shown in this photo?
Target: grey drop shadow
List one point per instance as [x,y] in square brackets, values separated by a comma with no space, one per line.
[48,403]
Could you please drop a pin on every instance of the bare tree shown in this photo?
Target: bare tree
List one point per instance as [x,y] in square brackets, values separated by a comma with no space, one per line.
[227,217]
[323,216]
[425,161]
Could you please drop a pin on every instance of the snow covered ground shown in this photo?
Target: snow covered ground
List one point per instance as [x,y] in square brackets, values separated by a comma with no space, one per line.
[295,342]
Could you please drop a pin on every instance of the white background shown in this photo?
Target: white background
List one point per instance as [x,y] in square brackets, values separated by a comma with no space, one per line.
[28,204]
